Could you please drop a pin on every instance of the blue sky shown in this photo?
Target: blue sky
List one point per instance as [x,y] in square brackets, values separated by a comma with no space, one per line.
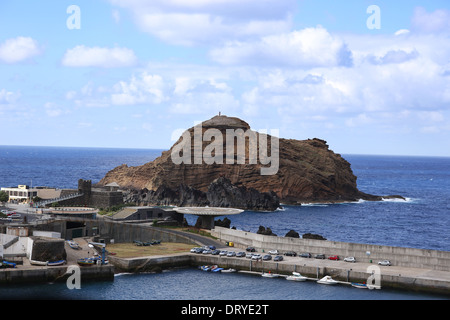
[136,72]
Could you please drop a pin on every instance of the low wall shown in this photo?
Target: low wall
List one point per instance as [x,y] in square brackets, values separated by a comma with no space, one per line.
[399,256]
[53,274]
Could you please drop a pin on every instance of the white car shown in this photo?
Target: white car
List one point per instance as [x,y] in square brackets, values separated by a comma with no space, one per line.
[256,257]
[384,263]
[349,259]
[274,252]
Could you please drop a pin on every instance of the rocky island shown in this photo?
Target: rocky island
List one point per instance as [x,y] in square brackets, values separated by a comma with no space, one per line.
[214,174]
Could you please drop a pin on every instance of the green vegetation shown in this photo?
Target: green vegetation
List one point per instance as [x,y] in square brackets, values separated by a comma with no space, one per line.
[114,209]
[4,197]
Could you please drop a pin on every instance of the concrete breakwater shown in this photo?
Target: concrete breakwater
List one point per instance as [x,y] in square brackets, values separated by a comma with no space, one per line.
[419,280]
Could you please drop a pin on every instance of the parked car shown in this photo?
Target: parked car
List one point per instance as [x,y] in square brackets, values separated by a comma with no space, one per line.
[267,257]
[249,255]
[278,258]
[320,256]
[290,253]
[194,250]
[256,257]
[349,259]
[333,257]
[305,255]
[274,252]
[384,263]
[207,251]
[199,250]
[231,254]
[223,253]
[240,254]
[250,249]
[215,252]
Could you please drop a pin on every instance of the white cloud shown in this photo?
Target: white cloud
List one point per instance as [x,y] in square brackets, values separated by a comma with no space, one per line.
[307,48]
[209,21]
[82,56]
[52,110]
[18,49]
[8,97]
[434,22]
[145,88]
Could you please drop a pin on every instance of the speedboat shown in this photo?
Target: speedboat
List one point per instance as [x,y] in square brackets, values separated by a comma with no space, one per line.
[327,280]
[269,275]
[296,277]
[228,270]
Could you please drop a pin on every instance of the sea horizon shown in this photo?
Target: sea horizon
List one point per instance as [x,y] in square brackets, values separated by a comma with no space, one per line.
[166,149]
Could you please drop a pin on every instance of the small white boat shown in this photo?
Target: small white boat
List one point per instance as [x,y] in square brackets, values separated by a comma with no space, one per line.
[296,277]
[73,245]
[269,275]
[228,270]
[327,280]
[38,263]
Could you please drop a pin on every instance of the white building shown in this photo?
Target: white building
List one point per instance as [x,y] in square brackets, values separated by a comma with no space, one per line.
[22,193]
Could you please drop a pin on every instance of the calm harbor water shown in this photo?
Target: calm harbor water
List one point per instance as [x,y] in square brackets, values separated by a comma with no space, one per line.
[422,221]
[194,284]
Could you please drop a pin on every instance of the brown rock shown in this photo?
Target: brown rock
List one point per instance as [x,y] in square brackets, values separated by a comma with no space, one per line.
[308,170]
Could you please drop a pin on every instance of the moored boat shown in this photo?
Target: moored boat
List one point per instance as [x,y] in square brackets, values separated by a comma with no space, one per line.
[296,277]
[359,285]
[74,245]
[327,280]
[56,263]
[38,263]
[85,262]
[228,270]
[7,264]
[269,275]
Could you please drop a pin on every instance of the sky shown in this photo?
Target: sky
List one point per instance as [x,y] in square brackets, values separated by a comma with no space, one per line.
[369,77]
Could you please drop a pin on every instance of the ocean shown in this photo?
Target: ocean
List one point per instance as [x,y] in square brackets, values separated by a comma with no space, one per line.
[420,221]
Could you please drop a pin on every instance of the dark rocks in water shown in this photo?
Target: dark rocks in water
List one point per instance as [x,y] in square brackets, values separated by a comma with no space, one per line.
[313,236]
[265,231]
[292,234]
[225,223]
[221,193]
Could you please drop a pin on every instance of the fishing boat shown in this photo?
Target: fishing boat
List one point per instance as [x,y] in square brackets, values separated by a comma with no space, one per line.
[74,245]
[296,277]
[56,263]
[38,263]
[85,262]
[327,280]
[269,275]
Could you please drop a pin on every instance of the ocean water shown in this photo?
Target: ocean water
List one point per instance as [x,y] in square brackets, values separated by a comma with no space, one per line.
[421,221]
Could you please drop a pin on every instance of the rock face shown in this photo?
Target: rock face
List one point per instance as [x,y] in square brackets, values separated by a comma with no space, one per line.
[221,193]
[308,171]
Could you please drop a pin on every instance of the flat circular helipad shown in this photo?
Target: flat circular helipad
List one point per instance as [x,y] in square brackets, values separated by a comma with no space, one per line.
[208,211]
